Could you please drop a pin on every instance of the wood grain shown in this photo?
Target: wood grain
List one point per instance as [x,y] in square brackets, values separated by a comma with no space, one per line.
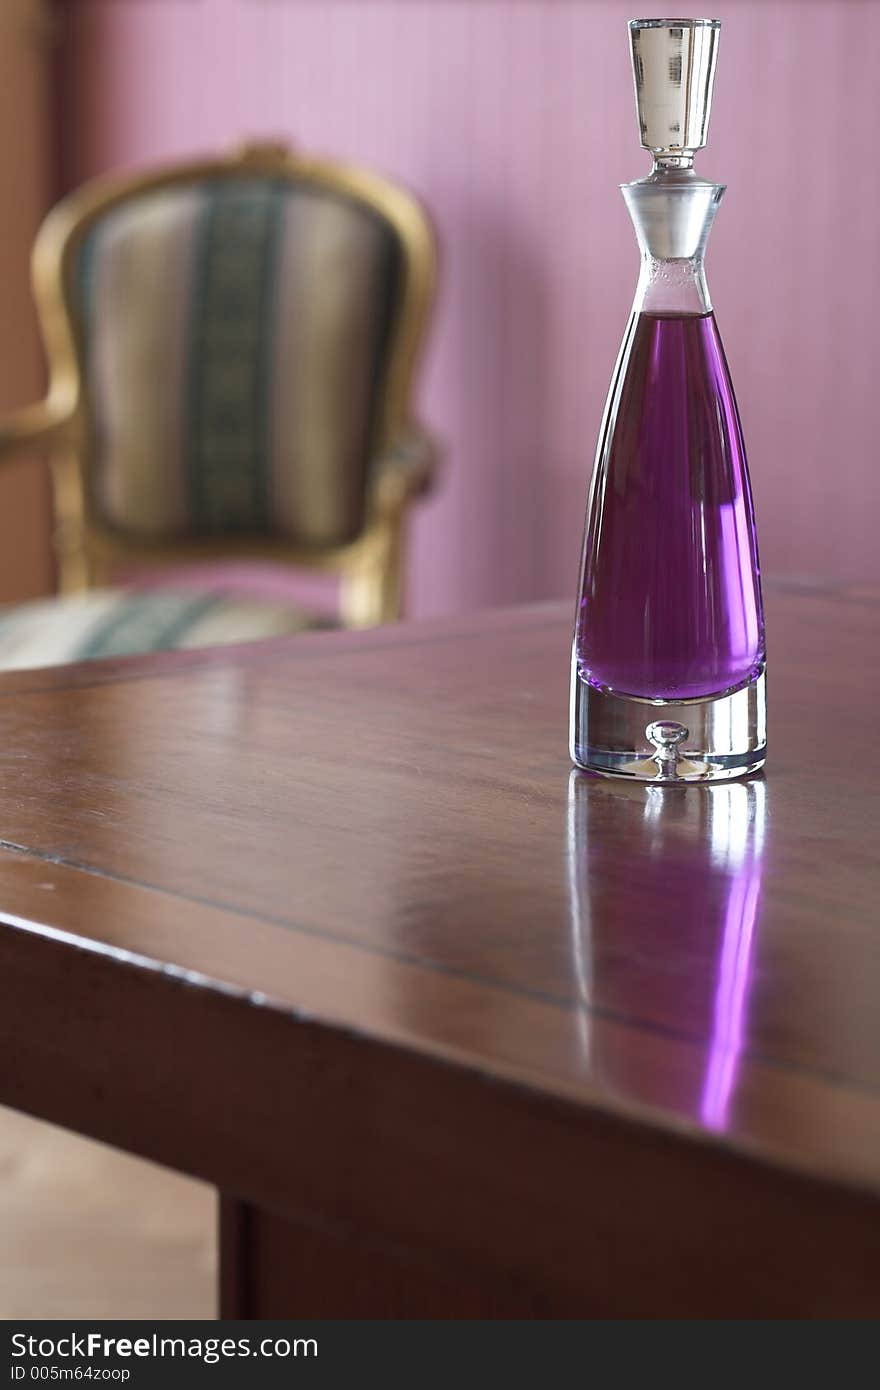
[332,924]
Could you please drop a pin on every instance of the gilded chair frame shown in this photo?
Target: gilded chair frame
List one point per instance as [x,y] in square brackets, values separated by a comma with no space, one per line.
[370,566]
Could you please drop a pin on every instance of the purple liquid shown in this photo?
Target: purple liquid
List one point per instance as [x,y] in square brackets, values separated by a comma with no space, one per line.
[671,601]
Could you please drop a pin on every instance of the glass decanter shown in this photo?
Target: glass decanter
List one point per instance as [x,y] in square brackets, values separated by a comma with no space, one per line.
[668,664]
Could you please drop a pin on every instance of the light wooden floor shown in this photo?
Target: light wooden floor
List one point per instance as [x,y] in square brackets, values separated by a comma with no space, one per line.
[86,1231]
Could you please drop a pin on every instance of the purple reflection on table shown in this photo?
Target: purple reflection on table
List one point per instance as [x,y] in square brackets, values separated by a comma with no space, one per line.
[734,969]
[691,875]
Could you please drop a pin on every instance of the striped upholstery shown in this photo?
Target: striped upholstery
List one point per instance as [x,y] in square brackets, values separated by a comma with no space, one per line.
[120,622]
[235,333]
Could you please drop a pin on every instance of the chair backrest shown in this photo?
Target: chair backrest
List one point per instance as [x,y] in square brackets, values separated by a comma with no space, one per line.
[242,333]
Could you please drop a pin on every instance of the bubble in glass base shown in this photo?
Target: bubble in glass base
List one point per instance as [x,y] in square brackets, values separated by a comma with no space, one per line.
[704,740]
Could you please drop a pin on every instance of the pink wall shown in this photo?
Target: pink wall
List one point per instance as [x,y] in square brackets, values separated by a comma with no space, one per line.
[514,120]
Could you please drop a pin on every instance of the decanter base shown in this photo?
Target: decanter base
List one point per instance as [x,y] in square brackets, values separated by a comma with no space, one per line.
[706,740]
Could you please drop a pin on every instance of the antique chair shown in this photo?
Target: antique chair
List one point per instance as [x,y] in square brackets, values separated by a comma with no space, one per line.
[231,346]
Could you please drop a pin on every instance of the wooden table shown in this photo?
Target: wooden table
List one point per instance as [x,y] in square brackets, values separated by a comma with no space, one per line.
[331,923]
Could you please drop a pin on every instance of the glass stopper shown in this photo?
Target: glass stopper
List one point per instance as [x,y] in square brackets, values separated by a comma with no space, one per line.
[674,70]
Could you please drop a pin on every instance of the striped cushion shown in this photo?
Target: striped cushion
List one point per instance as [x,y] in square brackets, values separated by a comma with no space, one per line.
[235,336]
[121,622]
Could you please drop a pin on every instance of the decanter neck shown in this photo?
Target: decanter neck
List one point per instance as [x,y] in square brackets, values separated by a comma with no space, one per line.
[680,159]
[672,211]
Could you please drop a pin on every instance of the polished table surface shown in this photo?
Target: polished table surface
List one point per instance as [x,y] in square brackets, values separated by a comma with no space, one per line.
[332,923]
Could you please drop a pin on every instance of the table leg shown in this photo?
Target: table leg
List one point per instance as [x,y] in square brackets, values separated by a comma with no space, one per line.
[274,1267]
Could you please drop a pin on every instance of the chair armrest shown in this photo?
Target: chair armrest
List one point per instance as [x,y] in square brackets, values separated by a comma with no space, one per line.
[42,426]
[404,471]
